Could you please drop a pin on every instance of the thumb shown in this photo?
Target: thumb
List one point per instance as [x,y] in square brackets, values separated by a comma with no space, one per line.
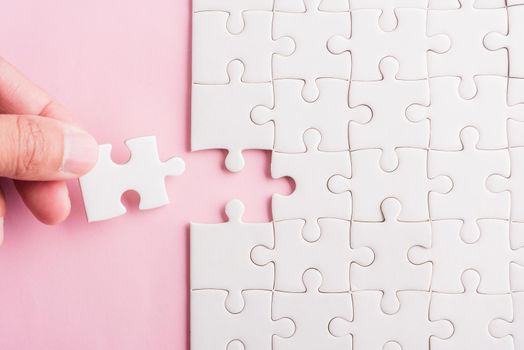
[34,148]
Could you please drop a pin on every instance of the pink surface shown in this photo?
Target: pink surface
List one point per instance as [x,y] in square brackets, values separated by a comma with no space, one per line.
[123,67]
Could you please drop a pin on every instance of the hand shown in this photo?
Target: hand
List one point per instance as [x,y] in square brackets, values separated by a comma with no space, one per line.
[39,147]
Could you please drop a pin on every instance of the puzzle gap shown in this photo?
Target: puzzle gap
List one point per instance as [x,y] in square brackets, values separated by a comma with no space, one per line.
[131,200]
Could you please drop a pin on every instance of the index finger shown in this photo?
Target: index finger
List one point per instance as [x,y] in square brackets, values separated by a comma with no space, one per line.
[18,95]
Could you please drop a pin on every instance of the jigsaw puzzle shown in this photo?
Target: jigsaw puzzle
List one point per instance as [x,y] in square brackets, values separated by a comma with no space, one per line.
[401,123]
[103,187]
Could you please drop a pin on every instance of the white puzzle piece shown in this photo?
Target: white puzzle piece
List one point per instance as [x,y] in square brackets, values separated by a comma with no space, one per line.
[444,4]
[300,6]
[390,241]
[292,115]
[467,57]
[331,254]
[220,256]
[370,185]
[514,328]
[514,183]
[455,4]
[471,313]
[516,273]
[408,43]
[221,116]
[235,9]
[489,4]
[388,18]
[491,256]
[487,111]
[213,327]
[311,59]
[515,91]
[517,234]
[311,199]
[515,133]
[311,312]
[214,47]
[389,128]
[470,199]
[410,327]
[512,41]
[144,173]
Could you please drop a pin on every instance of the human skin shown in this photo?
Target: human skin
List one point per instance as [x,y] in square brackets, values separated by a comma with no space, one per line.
[40,147]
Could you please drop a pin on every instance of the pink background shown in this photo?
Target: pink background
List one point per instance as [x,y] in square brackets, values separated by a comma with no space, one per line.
[123,67]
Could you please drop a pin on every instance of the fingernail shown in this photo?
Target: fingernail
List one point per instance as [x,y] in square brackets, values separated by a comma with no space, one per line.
[80,152]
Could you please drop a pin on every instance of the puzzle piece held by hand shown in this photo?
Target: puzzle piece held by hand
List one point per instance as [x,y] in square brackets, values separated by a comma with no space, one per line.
[103,187]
